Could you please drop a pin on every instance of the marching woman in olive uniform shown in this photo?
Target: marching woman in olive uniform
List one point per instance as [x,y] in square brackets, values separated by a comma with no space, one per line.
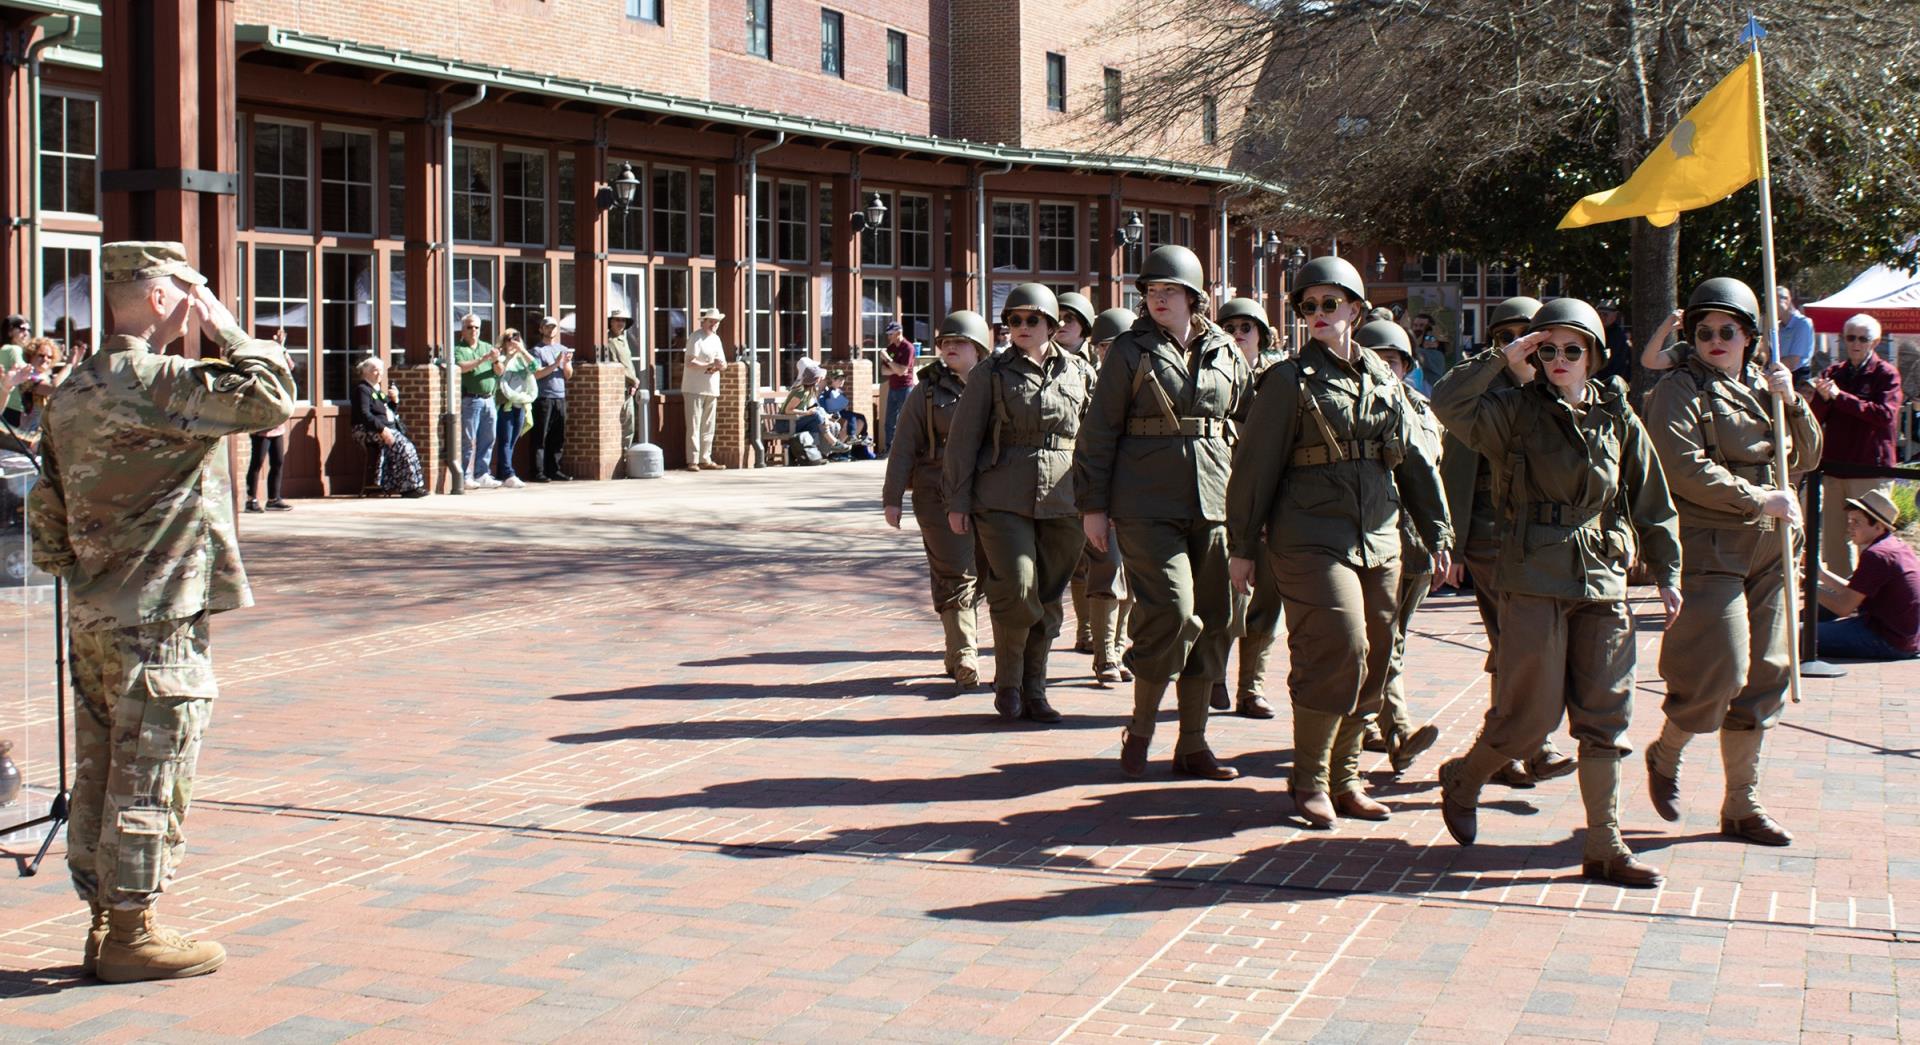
[1099,586]
[1245,320]
[1110,629]
[1471,480]
[916,460]
[1725,660]
[1008,477]
[1584,497]
[1153,462]
[1327,462]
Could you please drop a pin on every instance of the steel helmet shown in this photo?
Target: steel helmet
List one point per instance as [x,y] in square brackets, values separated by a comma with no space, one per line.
[1111,324]
[1077,303]
[1033,296]
[1577,315]
[1329,271]
[1384,335]
[1512,310]
[968,324]
[1173,264]
[1725,294]
[1247,308]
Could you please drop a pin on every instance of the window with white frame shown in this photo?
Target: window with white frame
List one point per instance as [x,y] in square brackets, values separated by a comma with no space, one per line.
[823,214]
[1012,237]
[876,245]
[876,311]
[792,234]
[1059,237]
[896,61]
[69,153]
[652,11]
[1503,281]
[523,297]
[565,293]
[346,319]
[346,182]
[670,211]
[473,292]
[283,300]
[671,302]
[765,346]
[1159,230]
[1056,82]
[396,186]
[916,310]
[626,225]
[473,193]
[280,160]
[833,43]
[396,308]
[523,197]
[1464,271]
[709,223]
[794,320]
[763,219]
[914,223]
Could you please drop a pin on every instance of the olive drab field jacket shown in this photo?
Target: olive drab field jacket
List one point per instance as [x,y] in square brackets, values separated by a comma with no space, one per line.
[1329,458]
[1012,441]
[1469,479]
[1415,555]
[1156,443]
[1582,496]
[920,438]
[1714,434]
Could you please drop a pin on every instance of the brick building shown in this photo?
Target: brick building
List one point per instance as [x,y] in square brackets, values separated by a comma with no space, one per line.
[303,151]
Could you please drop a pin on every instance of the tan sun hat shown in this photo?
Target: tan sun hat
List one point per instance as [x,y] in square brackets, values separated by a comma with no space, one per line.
[712,313]
[1878,506]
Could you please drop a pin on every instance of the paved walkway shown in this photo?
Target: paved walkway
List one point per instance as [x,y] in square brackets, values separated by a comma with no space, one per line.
[671,760]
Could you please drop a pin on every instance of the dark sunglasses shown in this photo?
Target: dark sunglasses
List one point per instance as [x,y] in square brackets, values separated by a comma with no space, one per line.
[1857,339]
[1031,319]
[1329,305]
[1503,338]
[1705,334]
[1242,326]
[1571,353]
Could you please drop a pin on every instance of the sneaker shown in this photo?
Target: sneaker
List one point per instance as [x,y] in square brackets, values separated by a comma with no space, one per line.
[277,505]
[513,482]
[254,506]
[485,482]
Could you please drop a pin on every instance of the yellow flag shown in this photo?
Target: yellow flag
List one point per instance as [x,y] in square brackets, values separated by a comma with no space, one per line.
[1710,155]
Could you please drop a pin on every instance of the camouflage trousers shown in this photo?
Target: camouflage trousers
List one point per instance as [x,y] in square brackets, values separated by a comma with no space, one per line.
[142,698]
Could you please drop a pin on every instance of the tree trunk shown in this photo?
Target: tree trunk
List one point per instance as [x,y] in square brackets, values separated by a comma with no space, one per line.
[1656,265]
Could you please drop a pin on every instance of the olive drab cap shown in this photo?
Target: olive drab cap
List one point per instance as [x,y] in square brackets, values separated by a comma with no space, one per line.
[131,261]
[1077,304]
[1729,295]
[1384,335]
[1512,310]
[1033,296]
[1111,324]
[1247,308]
[1173,264]
[1329,271]
[968,324]
[1577,315]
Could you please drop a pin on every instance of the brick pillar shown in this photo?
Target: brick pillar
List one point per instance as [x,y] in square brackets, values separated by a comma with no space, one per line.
[590,227]
[428,312]
[594,448]
[422,396]
[16,171]
[729,263]
[1113,214]
[730,425]
[846,268]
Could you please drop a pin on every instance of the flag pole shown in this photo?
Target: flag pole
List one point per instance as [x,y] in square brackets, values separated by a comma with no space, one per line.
[1782,479]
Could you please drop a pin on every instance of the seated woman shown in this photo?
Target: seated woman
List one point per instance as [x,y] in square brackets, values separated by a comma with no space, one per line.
[804,399]
[377,426]
[1877,611]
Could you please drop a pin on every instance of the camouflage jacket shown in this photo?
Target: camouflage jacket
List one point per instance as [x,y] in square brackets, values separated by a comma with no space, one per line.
[135,507]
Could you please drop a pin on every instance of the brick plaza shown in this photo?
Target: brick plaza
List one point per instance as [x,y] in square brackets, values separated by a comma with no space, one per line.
[671,760]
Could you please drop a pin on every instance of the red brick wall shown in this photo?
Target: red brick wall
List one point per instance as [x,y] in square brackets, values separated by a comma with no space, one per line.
[594,448]
[730,425]
[791,81]
[422,392]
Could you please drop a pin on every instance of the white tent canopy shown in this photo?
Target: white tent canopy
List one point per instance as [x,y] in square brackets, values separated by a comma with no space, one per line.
[1889,295]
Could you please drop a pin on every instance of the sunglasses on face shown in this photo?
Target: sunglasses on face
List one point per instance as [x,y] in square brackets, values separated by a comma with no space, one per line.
[1243,326]
[1570,353]
[1856,339]
[1031,319]
[1328,305]
[1503,338]
[1705,334]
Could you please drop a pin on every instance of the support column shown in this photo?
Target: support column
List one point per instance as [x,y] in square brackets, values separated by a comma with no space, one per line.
[1209,249]
[1242,252]
[963,259]
[846,267]
[730,258]
[428,311]
[590,230]
[1112,263]
[16,164]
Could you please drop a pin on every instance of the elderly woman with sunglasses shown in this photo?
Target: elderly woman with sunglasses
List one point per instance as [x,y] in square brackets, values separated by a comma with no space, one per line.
[1725,659]
[1327,462]
[1008,477]
[1153,462]
[1583,497]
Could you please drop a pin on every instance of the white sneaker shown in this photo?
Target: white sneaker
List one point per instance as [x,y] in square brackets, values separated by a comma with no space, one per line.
[513,482]
[483,482]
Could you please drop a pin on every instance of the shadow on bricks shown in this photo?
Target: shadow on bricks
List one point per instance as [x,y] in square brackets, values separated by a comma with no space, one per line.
[982,722]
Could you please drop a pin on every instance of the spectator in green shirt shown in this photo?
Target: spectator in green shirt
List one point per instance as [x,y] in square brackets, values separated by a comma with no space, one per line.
[480,367]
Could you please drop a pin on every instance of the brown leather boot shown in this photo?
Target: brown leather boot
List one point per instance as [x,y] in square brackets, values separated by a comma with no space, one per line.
[1760,829]
[1551,765]
[1133,753]
[1664,791]
[1253,705]
[1625,871]
[96,935]
[1401,751]
[1356,805]
[1218,699]
[137,948]
[1202,764]
[1006,700]
[1315,807]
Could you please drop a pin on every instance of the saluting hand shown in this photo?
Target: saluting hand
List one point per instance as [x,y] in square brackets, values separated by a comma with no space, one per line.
[1670,598]
[958,522]
[893,515]
[1240,574]
[1517,352]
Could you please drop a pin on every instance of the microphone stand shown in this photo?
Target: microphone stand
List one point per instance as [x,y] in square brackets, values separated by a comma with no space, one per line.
[57,812]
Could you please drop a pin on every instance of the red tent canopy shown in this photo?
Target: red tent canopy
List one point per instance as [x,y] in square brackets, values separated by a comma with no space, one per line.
[1889,295]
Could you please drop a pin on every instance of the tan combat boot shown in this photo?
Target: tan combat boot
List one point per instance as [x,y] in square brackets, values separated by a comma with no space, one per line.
[1106,669]
[96,935]
[963,661]
[137,948]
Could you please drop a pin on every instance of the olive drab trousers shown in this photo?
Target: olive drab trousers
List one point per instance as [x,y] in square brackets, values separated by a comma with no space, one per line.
[142,699]
[1571,657]
[1395,718]
[1024,566]
[1725,660]
[950,566]
[1339,631]
[1262,618]
[1183,602]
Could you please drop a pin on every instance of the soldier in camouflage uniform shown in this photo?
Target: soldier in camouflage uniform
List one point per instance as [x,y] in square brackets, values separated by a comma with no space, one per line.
[135,512]
[916,461]
[618,350]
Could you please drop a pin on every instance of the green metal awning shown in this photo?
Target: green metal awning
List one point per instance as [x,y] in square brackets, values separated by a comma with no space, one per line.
[305,45]
[56,7]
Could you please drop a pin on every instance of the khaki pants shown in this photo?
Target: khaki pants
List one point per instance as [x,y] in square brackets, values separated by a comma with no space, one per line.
[1261,620]
[1836,552]
[1725,659]
[949,555]
[1024,566]
[702,413]
[1183,602]
[1339,631]
[1559,657]
[1395,718]
[142,698]
[629,418]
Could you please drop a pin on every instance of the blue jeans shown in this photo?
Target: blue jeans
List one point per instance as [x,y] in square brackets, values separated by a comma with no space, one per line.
[1849,638]
[506,433]
[477,421]
[896,398]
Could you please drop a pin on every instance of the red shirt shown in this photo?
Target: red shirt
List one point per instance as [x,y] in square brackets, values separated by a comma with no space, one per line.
[1859,419]
[1889,578]
[900,352]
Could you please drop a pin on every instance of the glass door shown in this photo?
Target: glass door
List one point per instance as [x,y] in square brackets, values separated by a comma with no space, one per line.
[69,309]
[627,291]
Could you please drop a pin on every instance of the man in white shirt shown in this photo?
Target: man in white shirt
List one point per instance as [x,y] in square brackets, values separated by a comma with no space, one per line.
[700,389]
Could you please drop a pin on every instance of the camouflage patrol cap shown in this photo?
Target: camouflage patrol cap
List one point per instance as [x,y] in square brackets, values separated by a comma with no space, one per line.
[131,261]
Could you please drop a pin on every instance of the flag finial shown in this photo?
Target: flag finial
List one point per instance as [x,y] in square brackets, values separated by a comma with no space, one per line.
[1753,33]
